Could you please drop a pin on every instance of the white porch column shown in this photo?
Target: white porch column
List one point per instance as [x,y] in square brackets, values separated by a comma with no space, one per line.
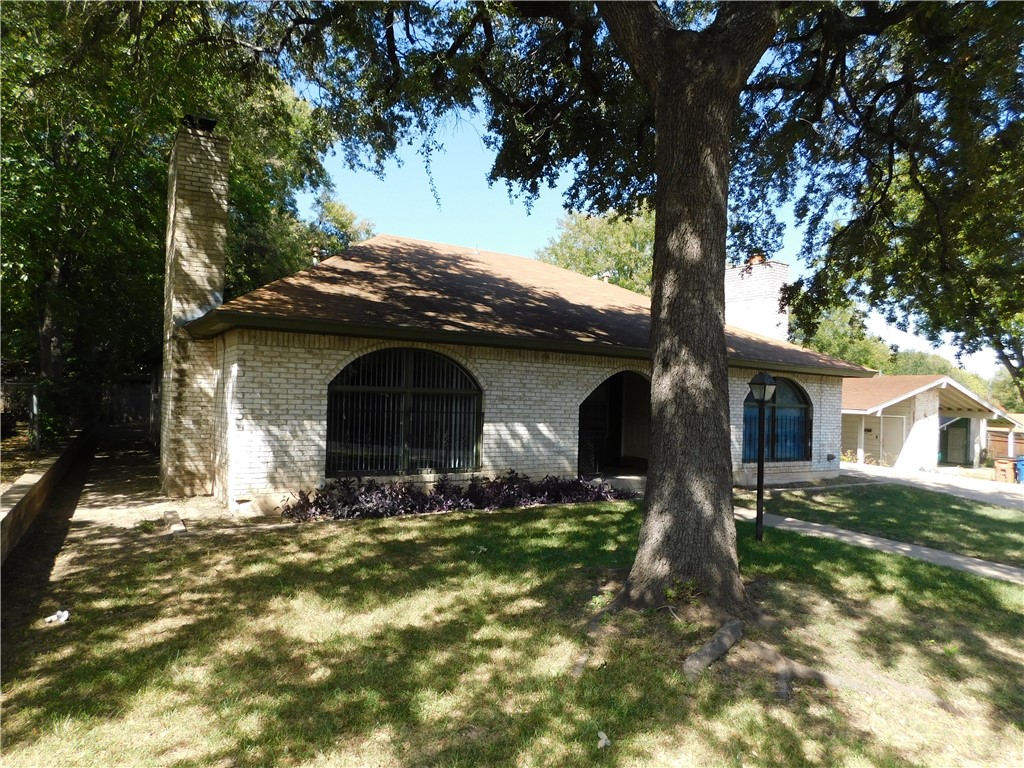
[860,442]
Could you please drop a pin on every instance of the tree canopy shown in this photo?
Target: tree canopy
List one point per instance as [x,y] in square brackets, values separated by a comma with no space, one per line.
[616,248]
[842,333]
[92,95]
[1006,394]
[907,169]
[859,112]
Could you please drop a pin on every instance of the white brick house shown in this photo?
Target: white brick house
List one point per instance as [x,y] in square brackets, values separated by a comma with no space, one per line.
[401,357]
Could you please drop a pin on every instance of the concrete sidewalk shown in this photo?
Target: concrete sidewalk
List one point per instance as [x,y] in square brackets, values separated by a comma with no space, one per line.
[969,564]
[1009,495]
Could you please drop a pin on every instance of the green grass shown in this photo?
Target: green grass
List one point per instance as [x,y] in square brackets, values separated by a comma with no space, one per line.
[910,515]
[450,640]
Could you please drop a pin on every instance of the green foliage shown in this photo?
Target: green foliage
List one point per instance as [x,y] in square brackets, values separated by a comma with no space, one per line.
[92,95]
[912,362]
[338,225]
[611,246]
[553,88]
[841,333]
[270,241]
[1006,394]
[903,152]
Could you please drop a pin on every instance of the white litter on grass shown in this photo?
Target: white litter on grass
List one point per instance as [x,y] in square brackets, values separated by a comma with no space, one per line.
[58,618]
[603,742]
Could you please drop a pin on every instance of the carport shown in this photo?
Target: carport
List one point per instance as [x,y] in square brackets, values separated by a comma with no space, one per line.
[914,422]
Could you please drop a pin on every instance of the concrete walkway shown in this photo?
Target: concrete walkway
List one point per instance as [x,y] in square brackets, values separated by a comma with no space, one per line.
[986,491]
[969,564]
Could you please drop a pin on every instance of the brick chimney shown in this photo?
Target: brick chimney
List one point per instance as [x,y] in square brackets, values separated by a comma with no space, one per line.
[752,292]
[197,216]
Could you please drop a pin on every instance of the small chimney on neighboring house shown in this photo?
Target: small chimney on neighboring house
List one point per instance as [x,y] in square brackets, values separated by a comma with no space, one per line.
[197,219]
[752,296]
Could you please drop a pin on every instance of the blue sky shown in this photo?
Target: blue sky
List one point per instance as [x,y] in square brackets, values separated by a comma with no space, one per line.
[470,213]
[467,211]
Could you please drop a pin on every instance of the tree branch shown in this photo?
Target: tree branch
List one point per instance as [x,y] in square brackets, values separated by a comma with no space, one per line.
[638,30]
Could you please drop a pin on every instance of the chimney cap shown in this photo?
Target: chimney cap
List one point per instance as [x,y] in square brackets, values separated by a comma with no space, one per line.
[200,123]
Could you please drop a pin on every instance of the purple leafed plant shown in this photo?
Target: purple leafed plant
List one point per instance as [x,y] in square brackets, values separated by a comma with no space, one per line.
[348,498]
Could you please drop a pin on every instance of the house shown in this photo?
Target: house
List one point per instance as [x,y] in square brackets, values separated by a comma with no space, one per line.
[1006,436]
[407,358]
[914,422]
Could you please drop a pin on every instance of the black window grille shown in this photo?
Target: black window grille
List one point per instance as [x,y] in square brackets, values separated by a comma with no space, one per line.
[787,425]
[403,410]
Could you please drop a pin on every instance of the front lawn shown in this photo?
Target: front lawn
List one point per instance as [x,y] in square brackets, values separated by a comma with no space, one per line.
[452,640]
[910,515]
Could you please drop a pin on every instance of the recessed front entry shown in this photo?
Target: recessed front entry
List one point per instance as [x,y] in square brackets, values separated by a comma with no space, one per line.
[615,425]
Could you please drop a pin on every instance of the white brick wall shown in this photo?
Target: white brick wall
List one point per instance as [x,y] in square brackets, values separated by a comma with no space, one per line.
[272,409]
[826,395]
[273,406]
[752,298]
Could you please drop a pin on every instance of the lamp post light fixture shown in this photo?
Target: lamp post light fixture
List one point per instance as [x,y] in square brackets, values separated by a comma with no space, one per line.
[762,389]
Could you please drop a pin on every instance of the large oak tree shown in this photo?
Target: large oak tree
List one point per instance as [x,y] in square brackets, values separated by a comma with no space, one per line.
[664,103]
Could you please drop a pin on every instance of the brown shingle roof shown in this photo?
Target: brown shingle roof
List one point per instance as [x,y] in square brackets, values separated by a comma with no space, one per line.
[411,289]
[868,395]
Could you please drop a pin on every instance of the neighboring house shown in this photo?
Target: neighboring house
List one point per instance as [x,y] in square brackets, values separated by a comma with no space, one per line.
[1006,436]
[403,357]
[914,422]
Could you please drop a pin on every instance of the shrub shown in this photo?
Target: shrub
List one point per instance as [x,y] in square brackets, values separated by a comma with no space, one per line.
[348,498]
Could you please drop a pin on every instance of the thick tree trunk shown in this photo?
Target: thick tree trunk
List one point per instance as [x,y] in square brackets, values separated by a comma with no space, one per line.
[688,532]
[49,328]
[1011,355]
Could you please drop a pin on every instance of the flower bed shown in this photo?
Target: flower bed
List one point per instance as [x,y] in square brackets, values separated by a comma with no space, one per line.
[350,498]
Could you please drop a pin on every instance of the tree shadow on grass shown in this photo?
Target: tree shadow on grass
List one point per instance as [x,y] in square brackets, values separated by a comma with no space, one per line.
[953,626]
[26,572]
[915,516]
[442,641]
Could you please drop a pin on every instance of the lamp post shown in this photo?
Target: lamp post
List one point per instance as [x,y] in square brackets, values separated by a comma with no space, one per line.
[762,389]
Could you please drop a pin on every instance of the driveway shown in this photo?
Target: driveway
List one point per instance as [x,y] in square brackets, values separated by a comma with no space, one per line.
[986,491]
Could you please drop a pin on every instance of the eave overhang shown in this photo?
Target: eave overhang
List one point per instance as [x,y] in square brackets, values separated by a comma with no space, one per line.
[215,323]
[221,320]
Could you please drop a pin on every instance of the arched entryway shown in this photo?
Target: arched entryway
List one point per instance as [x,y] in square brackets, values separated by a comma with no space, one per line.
[615,426]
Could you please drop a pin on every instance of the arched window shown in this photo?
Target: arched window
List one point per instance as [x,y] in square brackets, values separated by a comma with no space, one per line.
[402,410]
[787,425]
